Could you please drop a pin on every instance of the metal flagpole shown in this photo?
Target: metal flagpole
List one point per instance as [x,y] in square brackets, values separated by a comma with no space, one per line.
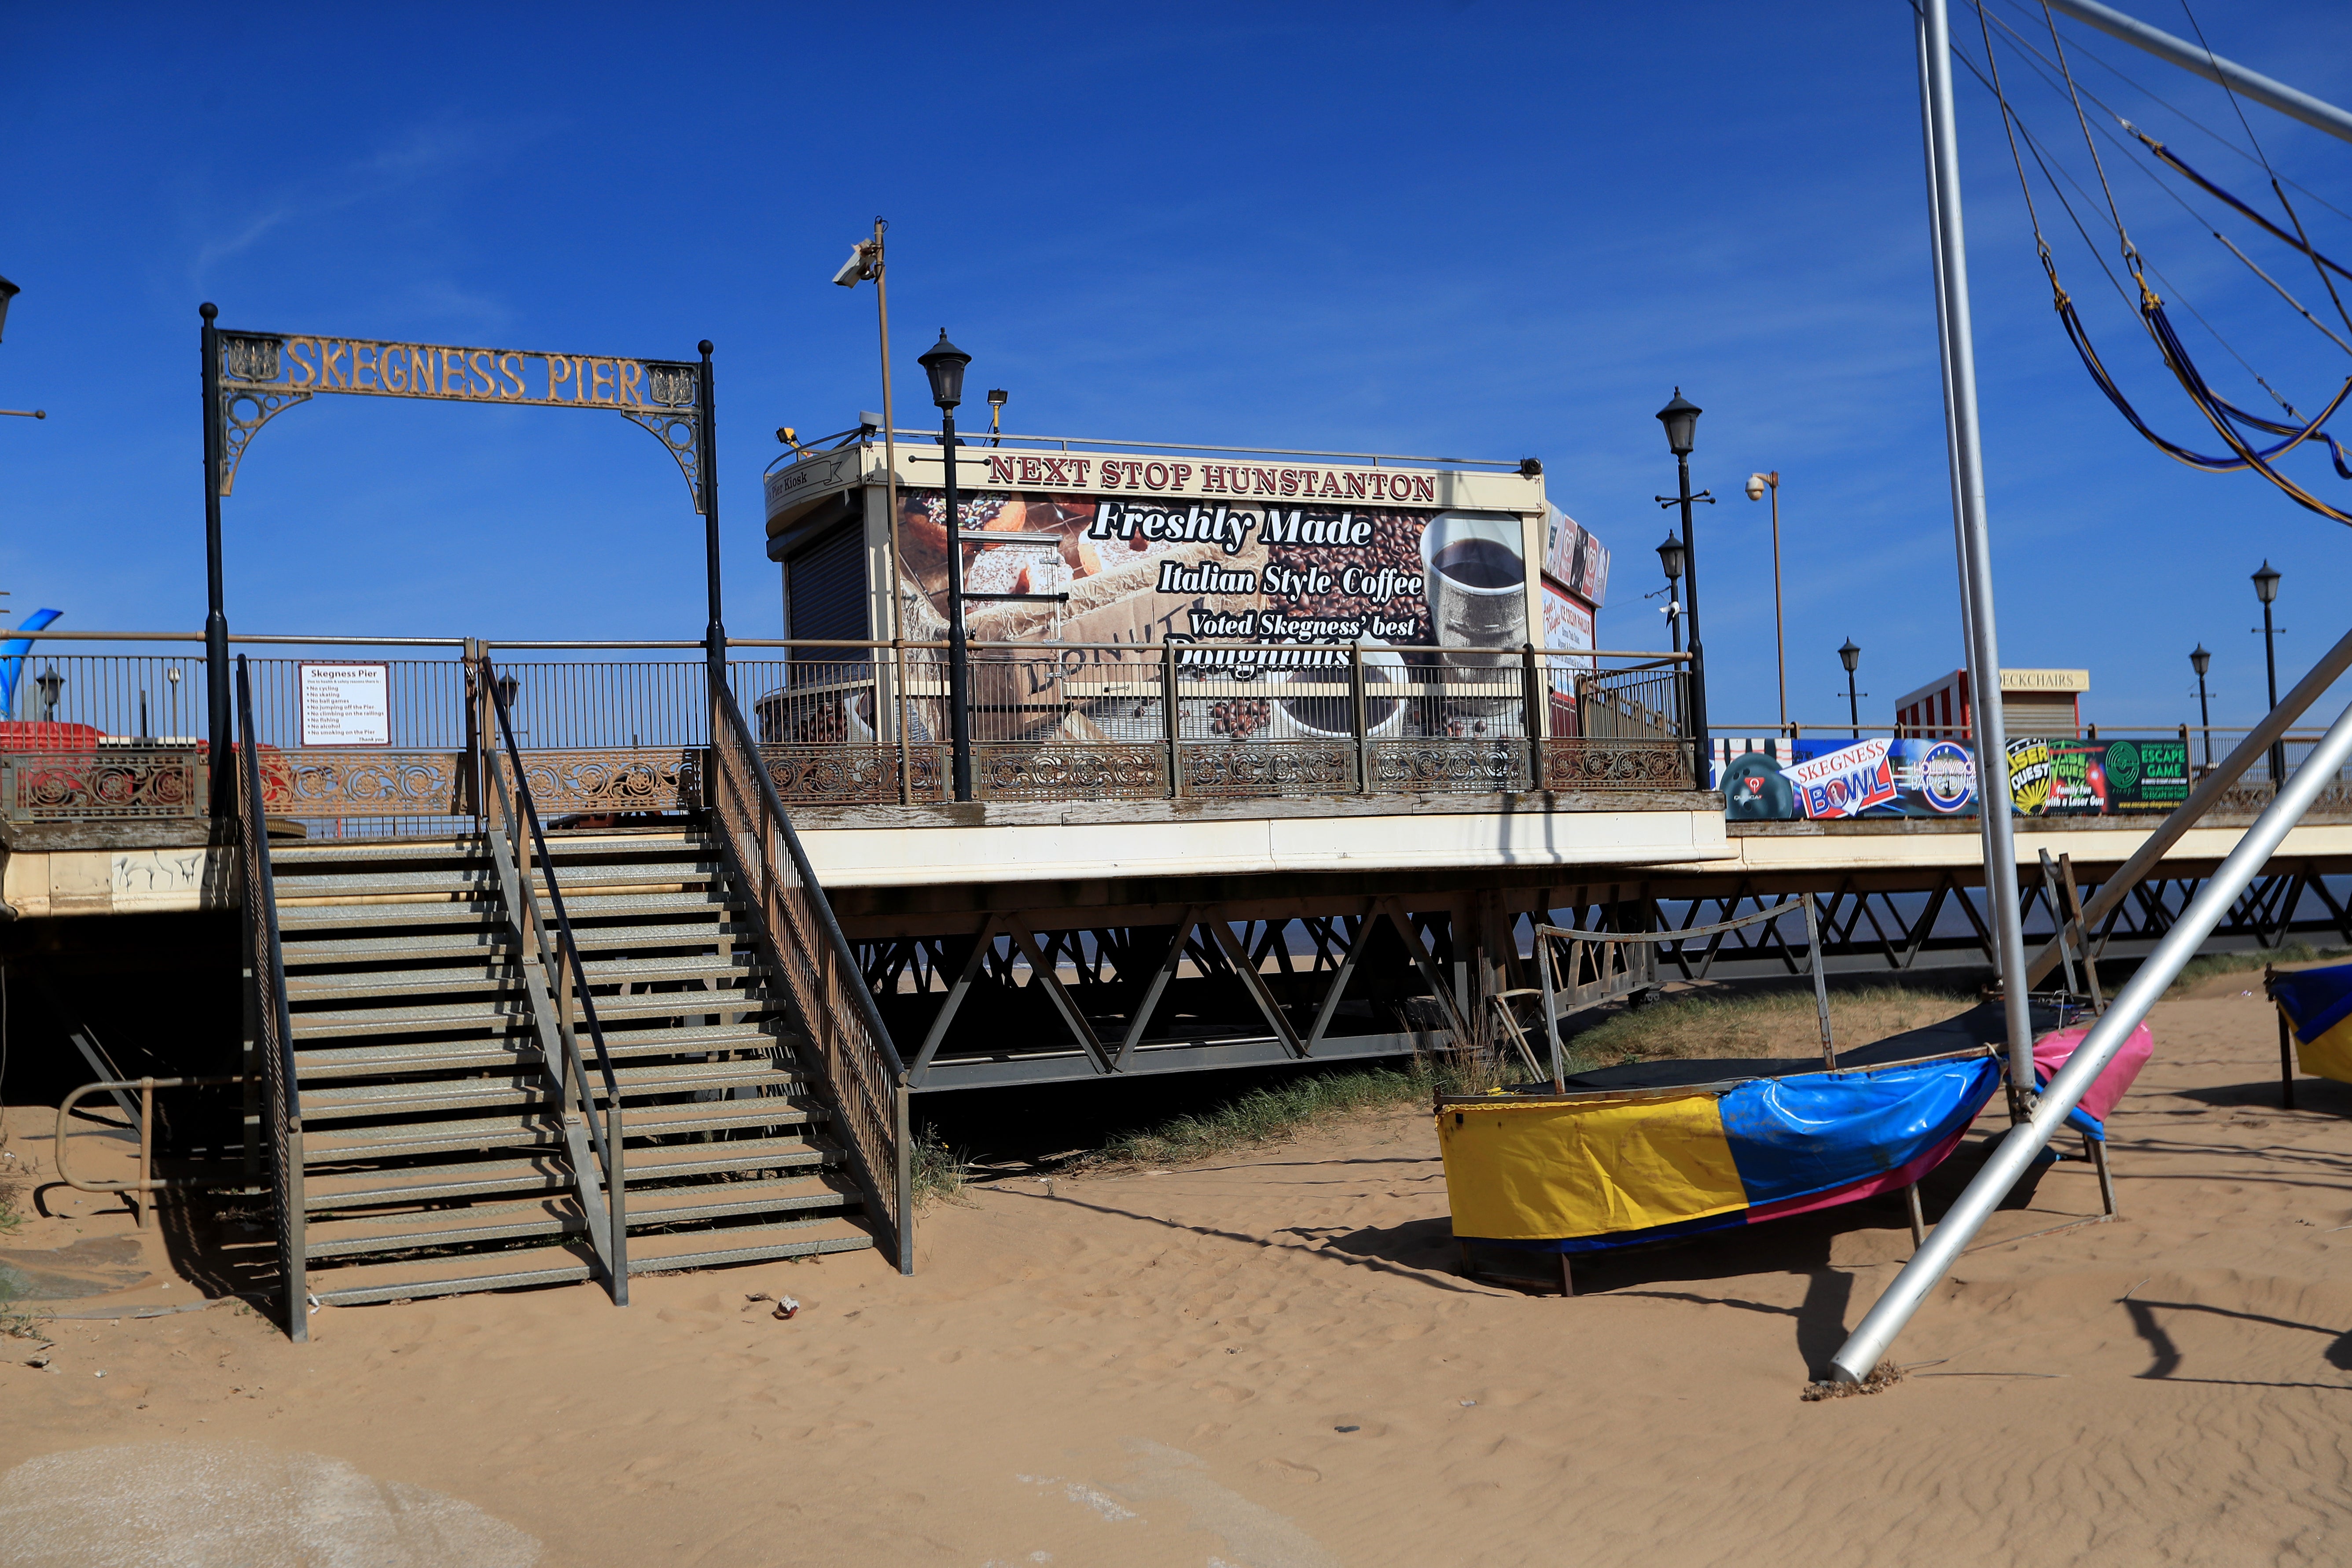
[1886,1316]
[1966,446]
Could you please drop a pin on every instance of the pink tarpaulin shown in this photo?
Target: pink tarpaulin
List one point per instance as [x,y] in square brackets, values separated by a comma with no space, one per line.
[2051,1051]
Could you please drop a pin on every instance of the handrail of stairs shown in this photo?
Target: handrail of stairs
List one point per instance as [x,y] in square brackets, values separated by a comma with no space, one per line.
[268,1018]
[563,980]
[863,1079]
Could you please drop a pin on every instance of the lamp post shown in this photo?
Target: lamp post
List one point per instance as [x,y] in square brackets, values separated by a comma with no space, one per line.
[1670,556]
[2200,662]
[2266,581]
[1850,656]
[865,260]
[1681,419]
[51,683]
[944,365]
[1757,484]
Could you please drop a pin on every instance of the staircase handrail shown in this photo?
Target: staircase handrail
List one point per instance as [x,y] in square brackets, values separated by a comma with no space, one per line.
[271,1019]
[561,964]
[863,1075]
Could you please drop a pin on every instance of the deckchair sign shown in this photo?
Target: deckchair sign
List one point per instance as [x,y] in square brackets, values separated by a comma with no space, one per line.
[261,375]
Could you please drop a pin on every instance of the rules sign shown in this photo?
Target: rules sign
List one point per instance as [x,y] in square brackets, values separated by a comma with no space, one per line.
[346,704]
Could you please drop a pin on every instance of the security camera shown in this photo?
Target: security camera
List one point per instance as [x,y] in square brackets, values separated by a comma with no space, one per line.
[853,272]
[1755,486]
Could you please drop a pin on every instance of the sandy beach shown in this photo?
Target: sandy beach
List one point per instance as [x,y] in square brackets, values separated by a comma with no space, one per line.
[1268,1362]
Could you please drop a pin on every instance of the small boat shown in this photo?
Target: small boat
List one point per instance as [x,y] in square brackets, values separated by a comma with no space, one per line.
[1659,1150]
[2318,1004]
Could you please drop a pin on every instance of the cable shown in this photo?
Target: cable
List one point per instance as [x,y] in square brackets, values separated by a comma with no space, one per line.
[2143,89]
[2325,282]
[2222,415]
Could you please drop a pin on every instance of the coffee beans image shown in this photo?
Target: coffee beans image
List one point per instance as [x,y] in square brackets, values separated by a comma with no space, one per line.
[1395,545]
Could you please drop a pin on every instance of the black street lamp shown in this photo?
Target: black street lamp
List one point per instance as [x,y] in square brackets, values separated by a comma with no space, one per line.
[944,365]
[1850,656]
[2200,662]
[1681,419]
[50,683]
[2266,581]
[1670,556]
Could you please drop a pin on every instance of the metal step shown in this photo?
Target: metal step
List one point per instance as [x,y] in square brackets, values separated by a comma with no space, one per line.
[480,1224]
[479,942]
[294,921]
[607,906]
[409,1280]
[404,1281]
[538,1130]
[514,1052]
[360,884]
[438,1017]
[544,1173]
[739,965]
[414,1097]
[745,1243]
[357,983]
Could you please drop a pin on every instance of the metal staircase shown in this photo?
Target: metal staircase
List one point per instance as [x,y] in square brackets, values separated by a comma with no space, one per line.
[511,1057]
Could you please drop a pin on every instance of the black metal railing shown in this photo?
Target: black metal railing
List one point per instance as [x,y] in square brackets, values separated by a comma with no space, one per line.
[269,1021]
[857,1067]
[560,984]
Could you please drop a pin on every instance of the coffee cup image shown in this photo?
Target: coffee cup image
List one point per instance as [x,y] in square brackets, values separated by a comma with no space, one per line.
[1318,704]
[1476,582]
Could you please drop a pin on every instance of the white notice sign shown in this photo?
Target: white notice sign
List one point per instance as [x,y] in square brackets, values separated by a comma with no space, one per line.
[346,704]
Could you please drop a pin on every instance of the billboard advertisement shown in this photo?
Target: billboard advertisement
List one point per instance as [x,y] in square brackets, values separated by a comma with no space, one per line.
[1779,780]
[1147,569]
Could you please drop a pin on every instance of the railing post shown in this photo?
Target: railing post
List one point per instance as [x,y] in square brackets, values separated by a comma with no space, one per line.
[1171,720]
[1531,692]
[1356,718]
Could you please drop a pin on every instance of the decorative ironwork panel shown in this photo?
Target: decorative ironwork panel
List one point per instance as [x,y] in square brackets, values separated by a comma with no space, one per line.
[1270,768]
[363,784]
[1599,764]
[1448,767]
[1070,772]
[821,776]
[262,374]
[117,785]
[611,779]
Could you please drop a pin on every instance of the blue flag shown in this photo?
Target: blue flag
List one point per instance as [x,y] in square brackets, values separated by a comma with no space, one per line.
[12,658]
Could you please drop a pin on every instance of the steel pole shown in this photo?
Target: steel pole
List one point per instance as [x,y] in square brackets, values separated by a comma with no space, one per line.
[958,650]
[1701,749]
[1928,1266]
[2270,669]
[2199,60]
[1852,706]
[706,439]
[1968,447]
[216,676]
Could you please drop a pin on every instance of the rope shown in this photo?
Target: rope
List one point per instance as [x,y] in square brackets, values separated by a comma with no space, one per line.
[2225,417]
[2145,91]
[2276,189]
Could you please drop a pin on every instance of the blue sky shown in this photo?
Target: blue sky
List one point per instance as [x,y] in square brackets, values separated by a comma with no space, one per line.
[1484,229]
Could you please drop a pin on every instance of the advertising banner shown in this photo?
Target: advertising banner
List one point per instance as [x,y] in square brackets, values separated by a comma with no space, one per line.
[1779,780]
[1146,569]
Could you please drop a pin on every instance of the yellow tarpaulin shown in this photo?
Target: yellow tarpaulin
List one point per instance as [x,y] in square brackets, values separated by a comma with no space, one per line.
[1543,1170]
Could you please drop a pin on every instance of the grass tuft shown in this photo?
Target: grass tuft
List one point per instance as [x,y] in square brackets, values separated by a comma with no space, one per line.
[940,1173]
[1772,1024]
[2197,970]
[1275,1114]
